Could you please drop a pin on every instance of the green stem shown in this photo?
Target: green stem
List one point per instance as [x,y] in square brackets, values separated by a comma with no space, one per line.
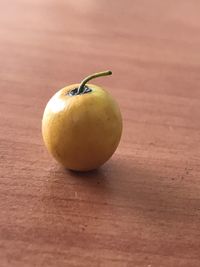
[87,79]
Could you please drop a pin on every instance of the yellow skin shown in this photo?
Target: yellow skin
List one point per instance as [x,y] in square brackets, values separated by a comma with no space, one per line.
[82,131]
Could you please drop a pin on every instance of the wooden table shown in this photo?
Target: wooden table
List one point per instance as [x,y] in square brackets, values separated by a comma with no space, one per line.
[142,208]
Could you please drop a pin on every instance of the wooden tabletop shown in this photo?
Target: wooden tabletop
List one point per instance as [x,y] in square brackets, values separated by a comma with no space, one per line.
[142,208]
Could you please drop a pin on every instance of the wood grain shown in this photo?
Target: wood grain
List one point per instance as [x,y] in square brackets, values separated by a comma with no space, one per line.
[142,208]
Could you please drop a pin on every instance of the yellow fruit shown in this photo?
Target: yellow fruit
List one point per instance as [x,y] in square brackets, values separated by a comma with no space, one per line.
[82,125]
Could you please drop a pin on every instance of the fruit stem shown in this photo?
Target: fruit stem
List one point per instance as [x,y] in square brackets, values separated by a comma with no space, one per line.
[90,77]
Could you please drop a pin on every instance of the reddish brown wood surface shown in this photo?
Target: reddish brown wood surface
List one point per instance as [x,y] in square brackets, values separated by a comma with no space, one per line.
[142,208]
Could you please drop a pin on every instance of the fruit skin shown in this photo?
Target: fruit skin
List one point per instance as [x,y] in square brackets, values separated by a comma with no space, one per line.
[83,131]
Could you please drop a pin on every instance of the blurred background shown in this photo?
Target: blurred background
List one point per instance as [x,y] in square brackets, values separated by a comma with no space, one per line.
[152,47]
